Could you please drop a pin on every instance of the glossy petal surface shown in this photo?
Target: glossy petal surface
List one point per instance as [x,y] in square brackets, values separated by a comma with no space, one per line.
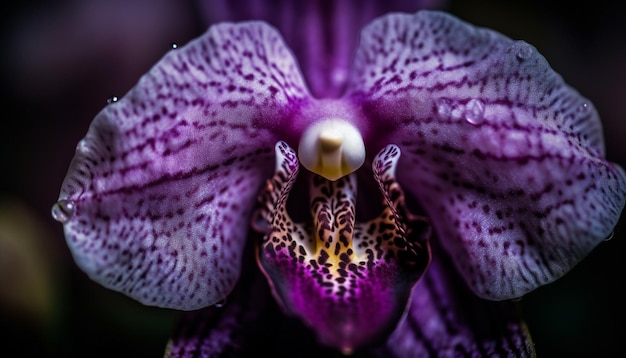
[506,159]
[156,200]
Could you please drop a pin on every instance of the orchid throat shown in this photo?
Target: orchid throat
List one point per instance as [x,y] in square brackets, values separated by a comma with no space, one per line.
[349,280]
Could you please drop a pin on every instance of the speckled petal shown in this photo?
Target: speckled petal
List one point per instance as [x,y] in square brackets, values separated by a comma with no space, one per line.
[506,159]
[156,200]
[348,281]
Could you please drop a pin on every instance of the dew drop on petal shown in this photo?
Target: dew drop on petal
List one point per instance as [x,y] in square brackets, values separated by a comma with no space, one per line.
[63,210]
[474,111]
[112,99]
[82,146]
[524,51]
[173,45]
[444,108]
[583,108]
[221,303]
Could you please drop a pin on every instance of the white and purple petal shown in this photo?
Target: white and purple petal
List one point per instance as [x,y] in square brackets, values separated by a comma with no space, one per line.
[156,201]
[506,159]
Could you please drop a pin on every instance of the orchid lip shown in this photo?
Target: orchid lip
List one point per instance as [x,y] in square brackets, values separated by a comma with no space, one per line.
[348,280]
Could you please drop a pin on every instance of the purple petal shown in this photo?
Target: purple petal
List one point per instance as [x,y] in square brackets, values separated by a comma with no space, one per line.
[506,159]
[323,34]
[445,319]
[156,200]
[233,328]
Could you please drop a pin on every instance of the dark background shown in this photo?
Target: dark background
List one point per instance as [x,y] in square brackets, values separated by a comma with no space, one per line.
[61,60]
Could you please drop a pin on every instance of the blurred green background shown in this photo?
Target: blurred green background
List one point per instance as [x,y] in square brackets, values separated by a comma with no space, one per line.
[61,60]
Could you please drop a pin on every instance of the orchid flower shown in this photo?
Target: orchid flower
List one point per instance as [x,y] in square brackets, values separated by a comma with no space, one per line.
[453,172]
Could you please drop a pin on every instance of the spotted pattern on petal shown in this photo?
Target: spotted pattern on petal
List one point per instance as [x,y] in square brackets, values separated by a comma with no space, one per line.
[349,281]
[164,181]
[506,159]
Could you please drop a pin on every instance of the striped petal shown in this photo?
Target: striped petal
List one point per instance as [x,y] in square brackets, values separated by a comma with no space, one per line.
[446,319]
[156,200]
[349,281]
[323,34]
[506,159]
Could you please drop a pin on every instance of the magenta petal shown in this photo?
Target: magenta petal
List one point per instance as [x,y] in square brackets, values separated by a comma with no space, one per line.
[323,34]
[506,159]
[156,200]
[446,319]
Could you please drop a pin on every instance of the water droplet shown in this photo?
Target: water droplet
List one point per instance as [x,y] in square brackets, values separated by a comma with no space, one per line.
[610,236]
[82,146]
[221,303]
[444,107]
[112,99]
[474,111]
[173,45]
[63,210]
[524,51]
[584,108]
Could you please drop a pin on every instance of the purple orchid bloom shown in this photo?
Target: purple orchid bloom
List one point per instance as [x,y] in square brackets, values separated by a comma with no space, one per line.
[397,206]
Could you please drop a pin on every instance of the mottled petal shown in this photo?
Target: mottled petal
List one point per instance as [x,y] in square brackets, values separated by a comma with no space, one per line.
[349,281]
[156,200]
[323,34]
[506,159]
[446,319]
